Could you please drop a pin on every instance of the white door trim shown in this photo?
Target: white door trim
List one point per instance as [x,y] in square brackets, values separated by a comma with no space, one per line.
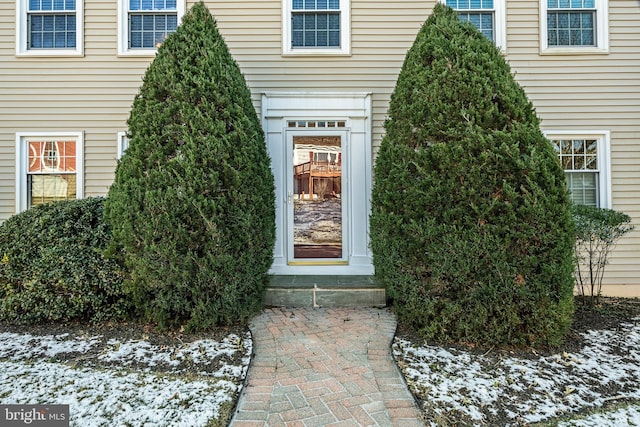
[279,108]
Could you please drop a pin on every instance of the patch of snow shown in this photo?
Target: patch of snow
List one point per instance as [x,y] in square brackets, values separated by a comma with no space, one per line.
[623,417]
[525,390]
[25,346]
[98,398]
[201,352]
[121,394]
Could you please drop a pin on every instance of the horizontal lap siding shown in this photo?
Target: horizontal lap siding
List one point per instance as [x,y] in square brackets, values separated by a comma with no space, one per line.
[7,144]
[94,94]
[381,34]
[592,92]
[91,94]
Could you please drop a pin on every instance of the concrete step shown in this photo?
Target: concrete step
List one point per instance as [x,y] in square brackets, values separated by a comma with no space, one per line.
[324,291]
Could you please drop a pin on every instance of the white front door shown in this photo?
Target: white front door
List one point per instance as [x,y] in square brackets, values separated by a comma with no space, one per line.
[321,155]
[317,187]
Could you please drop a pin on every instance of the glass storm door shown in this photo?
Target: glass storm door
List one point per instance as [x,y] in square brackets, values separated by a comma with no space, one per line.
[315,198]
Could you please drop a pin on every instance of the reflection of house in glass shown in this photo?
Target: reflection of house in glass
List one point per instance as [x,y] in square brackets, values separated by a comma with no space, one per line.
[52,171]
[317,187]
[317,165]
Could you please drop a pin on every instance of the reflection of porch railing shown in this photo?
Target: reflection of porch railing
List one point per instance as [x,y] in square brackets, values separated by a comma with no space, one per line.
[318,169]
[319,177]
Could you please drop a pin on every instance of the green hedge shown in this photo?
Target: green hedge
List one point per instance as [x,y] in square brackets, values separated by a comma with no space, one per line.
[192,207]
[52,267]
[471,229]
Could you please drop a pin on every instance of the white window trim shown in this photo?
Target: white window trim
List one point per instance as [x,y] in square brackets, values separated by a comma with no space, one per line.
[123,143]
[21,33]
[123,29]
[345,33]
[603,155]
[602,33]
[500,22]
[22,159]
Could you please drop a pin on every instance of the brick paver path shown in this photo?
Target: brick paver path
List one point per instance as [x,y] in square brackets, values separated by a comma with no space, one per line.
[324,367]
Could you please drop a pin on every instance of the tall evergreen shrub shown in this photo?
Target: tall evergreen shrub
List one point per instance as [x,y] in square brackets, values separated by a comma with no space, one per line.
[192,206]
[471,229]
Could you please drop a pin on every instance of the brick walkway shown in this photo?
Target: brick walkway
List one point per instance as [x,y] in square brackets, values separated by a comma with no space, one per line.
[324,367]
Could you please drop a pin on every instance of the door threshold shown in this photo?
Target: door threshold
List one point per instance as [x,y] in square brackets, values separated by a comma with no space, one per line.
[302,263]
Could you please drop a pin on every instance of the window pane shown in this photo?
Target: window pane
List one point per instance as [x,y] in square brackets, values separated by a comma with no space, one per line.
[322,39]
[148,29]
[334,38]
[315,30]
[51,31]
[482,21]
[135,4]
[135,21]
[47,188]
[583,187]
[322,22]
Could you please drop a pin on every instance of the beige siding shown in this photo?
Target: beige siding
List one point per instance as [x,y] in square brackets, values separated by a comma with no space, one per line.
[592,92]
[93,94]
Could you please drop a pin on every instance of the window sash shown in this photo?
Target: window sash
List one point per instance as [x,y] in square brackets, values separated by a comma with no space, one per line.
[583,187]
[315,5]
[51,24]
[580,162]
[571,28]
[148,30]
[51,173]
[315,30]
[471,4]
[51,6]
[149,22]
[153,5]
[45,188]
[51,31]
[480,13]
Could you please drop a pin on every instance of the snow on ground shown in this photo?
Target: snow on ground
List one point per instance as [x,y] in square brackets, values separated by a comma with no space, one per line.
[629,416]
[482,388]
[118,383]
[124,387]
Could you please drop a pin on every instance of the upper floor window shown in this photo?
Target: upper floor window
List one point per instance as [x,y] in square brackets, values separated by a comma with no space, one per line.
[316,27]
[49,168]
[585,160]
[488,16]
[574,25]
[144,24]
[49,27]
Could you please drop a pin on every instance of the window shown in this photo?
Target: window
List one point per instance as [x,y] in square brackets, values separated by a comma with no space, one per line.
[49,168]
[316,27]
[574,26]
[487,15]
[585,160]
[49,27]
[144,24]
[123,144]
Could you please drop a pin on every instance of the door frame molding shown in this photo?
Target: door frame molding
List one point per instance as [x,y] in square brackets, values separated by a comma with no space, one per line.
[279,108]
